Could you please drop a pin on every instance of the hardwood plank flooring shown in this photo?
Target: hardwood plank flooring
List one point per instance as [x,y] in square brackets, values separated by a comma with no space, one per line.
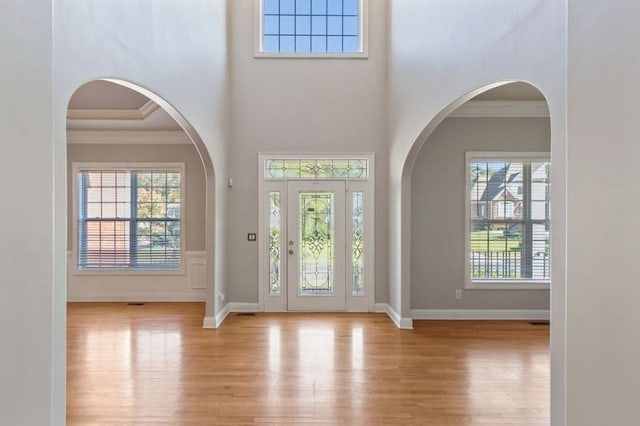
[155,365]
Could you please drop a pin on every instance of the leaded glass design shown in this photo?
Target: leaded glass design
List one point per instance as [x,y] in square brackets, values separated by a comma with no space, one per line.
[274,243]
[317,169]
[316,236]
[357,244]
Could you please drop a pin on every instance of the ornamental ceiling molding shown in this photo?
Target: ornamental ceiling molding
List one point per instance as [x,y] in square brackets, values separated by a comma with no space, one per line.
[139,114]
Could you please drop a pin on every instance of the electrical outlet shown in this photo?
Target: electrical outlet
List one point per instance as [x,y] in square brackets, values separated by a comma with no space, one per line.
[458,294]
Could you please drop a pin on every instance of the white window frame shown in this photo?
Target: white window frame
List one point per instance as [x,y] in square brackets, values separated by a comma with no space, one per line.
[78,167]
[355,303]
[497,284]
[258,32]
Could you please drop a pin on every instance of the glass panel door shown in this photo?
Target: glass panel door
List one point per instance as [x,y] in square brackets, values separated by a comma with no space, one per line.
[316,246]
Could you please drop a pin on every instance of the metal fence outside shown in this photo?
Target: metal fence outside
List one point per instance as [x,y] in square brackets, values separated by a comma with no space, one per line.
[507,264]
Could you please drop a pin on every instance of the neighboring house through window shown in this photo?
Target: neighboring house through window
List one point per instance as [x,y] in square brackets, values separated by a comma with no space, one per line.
[129,218]
[311,28]
[508,222]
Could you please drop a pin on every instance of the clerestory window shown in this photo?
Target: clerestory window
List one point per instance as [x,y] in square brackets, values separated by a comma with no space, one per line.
[129,218]
[508,226]
[311,28]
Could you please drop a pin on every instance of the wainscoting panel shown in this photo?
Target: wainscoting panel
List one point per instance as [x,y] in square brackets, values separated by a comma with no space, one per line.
[196,269]
[109,287]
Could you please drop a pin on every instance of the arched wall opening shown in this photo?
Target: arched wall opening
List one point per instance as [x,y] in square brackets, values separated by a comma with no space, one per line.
[480,245]
[146,128]
[403,250]
[400,296]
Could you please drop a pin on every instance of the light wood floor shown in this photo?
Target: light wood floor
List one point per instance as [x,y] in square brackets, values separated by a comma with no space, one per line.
[155,365]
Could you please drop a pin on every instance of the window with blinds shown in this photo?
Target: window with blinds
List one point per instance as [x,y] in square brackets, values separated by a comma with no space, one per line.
[508,208]
[129,219]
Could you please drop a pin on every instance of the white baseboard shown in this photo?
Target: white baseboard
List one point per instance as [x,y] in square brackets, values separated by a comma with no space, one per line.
[209,322]
[380,308]
[215,322]
[479,314]
[243,307]
[402,323]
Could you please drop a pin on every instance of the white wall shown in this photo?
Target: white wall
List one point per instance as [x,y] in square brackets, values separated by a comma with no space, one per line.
[437,212]
[176,50]
[442,51]
[603,292]
[30,358]
[301,106]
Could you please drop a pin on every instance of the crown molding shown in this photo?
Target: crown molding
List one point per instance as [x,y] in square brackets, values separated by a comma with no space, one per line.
[104,114]
[139,137]
[531,109]
[114,114]
[148,108]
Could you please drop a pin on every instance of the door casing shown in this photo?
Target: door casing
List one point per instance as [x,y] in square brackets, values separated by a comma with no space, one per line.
[268,302]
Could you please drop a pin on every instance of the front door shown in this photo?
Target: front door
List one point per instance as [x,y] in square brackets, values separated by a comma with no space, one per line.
[315,246]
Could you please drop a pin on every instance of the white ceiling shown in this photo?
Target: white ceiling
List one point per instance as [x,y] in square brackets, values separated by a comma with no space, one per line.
[102,105]
[106,95]
[511,92]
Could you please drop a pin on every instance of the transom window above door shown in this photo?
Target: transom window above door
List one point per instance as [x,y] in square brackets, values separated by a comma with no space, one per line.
[328,168]
[311,28]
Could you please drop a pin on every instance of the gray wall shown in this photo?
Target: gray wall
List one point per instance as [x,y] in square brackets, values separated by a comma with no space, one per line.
[437,211]
[301,106]
[194,179]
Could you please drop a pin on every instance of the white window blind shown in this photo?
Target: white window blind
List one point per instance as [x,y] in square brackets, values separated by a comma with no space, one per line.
[129,219]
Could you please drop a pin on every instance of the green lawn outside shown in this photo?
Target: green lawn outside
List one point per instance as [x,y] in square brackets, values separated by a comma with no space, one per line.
[496,241]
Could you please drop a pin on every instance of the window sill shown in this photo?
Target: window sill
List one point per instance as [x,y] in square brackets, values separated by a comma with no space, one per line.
[268,55]
[508,285]
[129,272]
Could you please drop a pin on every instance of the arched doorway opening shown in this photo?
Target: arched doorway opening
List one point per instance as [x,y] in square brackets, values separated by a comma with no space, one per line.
[480,210]
[130,236]
[463,308]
